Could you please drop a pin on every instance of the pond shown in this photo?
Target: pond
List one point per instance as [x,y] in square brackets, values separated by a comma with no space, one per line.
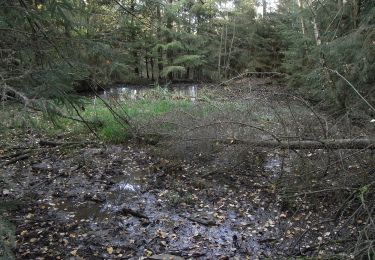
[126,92]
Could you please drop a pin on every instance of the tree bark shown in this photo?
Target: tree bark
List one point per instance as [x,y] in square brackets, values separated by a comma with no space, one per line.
[146,61]
[133,37]
[160,50]
[169,52]
[230,50]
[316,33]
[320,144]
[356,13]
[152,68]
[303,144]
[219,61]
[303,27]
[264,5]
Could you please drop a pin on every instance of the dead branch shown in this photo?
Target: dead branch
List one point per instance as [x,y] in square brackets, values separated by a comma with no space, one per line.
[134,213]
[247,73]
[15,160]
[204,222]
[56,143]
[319,144]
[300,144]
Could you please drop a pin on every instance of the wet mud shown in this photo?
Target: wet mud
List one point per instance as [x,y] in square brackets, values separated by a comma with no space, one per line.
[121,202]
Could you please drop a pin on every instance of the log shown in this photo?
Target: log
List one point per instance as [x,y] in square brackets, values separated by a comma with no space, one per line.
[311,144]
[299,144]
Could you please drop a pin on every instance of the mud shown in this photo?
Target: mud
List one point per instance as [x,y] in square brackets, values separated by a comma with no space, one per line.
[80,199]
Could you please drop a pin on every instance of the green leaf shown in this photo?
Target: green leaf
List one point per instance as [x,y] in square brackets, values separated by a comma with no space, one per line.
[171,69]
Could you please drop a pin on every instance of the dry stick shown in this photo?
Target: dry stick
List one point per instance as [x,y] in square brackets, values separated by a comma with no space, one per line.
[14,160]
[306,231]
[334,18]
[236,123]
[113,112]
[304,102]
[134,213]
[80,116]
[343,205]
[250,73]
[53,143]
[284,126]
[324,128]
[362,144]
[351,85]
[32,23]
[58,113]
[149,26]
[341,209]
[317,191]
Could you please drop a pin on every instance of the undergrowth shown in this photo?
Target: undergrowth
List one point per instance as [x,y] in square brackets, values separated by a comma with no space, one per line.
[108,125]
[7,239]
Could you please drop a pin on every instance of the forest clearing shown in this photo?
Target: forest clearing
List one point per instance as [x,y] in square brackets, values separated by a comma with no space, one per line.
[187,129]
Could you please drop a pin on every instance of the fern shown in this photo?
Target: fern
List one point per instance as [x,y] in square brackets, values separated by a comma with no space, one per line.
[189,60]
[171,69]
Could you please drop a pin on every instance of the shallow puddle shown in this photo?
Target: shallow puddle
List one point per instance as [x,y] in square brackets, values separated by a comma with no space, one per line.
[125,92]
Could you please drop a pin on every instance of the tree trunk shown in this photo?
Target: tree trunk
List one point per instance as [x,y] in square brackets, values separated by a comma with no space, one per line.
[146,61]
[187,73]
[320,144]
[225,47]
[230,49]
[169,40]
[303,27]
[356,12]
[152,68]
[160,50]
[316,33]
[133,36]
[220,47]
[264,5]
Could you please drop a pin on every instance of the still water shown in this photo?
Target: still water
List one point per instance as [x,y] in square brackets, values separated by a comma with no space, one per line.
[125,92]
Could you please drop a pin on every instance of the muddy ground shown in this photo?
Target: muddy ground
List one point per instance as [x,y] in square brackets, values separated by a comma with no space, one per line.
[119,202]
[89,200]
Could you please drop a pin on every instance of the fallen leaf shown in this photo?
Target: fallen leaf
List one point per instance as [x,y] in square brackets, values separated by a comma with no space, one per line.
[110,250]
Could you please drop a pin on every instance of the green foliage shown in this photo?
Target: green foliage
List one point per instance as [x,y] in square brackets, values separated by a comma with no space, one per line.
[171,69]
[347,34]
[7,239]
[189,60]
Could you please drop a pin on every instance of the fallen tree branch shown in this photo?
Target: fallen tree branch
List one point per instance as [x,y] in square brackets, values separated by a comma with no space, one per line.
[354,88]
[318,191]
[247,73]
[17,159]
[320,144]
[300,144]
[56,143]
[128,211]
[204,222]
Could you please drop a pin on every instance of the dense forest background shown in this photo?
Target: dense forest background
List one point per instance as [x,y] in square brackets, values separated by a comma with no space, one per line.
[278,146]
[50,49]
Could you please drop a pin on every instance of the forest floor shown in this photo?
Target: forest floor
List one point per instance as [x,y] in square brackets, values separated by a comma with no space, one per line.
[90,200]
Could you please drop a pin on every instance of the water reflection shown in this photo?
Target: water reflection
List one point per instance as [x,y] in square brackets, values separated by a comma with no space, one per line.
[129,92]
